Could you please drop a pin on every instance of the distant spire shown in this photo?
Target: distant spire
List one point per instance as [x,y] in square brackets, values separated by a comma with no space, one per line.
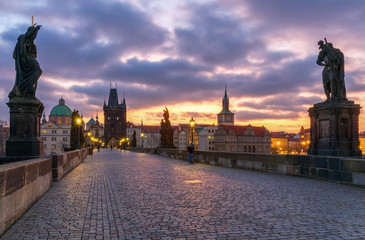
[115,85]
[225,91]
[123,103]
[141,121]
[104,101]
[110,85]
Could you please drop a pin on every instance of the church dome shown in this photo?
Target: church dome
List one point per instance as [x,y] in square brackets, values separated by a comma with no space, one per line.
[61,109]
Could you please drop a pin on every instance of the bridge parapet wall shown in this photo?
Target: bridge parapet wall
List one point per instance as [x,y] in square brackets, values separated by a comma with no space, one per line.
[338,169]
[64,163]
[21,184]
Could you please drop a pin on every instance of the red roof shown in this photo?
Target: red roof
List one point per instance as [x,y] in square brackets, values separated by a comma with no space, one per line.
[240,130]
[150,129]
[278,134]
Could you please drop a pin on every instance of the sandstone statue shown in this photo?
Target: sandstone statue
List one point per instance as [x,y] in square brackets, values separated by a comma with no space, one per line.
[333,74]
[166,131]
[27,67]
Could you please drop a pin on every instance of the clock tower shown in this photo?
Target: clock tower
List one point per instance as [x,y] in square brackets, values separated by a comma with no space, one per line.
[225,117]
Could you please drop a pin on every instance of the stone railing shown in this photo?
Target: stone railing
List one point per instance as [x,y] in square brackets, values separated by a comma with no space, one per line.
[24,182]
[338,169]
[64,163]
[21,184]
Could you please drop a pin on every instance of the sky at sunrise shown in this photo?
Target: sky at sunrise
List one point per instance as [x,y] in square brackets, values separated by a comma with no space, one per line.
[181,53]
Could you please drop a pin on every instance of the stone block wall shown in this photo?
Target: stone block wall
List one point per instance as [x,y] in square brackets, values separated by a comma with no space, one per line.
[64,163]
[21,184]
[338,169]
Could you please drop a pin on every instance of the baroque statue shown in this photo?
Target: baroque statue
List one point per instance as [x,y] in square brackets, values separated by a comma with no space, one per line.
[333,74]
[166,130]
[27,67]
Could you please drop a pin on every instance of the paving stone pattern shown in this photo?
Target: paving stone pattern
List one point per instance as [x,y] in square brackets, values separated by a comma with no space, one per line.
[126,195]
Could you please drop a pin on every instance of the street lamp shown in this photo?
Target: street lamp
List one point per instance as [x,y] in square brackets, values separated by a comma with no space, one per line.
[78,123]
[142,135]
[192,125]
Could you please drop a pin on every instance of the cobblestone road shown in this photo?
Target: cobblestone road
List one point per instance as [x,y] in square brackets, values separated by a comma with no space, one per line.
[126,195]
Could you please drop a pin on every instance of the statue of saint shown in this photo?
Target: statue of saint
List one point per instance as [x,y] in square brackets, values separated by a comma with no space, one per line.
[333,74]
[27,67]
[166,130]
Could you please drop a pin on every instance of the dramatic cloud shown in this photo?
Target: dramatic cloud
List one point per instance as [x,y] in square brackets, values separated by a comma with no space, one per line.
[181,54]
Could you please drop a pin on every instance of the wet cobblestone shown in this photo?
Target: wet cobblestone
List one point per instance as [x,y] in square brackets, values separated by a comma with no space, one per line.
[126,195]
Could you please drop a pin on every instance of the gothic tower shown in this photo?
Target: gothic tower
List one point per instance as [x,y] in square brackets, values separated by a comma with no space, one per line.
[225,117]
[115,117]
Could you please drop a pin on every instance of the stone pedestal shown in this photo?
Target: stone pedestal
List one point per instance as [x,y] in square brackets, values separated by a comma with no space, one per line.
[334,129]
[24,140]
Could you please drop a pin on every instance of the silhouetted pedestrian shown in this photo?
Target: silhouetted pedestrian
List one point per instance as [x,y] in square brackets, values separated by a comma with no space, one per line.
[191,152]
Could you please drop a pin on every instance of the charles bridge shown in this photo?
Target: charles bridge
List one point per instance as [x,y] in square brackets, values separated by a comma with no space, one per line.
[130,195]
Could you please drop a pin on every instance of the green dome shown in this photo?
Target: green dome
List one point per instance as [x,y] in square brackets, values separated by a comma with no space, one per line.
[91,121]
[61,109]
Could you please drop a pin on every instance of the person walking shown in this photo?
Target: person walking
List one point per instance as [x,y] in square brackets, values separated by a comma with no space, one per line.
[191,152]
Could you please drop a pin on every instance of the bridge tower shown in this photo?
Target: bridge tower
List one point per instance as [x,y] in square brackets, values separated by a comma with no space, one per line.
[115,117]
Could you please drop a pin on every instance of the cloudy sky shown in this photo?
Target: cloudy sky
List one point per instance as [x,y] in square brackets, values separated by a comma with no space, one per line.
[181,53]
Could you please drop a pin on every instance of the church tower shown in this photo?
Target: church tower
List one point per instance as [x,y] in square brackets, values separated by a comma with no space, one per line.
[225,117]
[115,118]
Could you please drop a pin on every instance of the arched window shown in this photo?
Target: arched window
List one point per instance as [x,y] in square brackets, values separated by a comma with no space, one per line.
[59,120]
[253,149]
[67,121]
[245,148]
[249,148]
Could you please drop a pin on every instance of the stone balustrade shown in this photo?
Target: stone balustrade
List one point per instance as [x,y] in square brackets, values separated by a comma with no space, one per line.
[22,183]
[338,169]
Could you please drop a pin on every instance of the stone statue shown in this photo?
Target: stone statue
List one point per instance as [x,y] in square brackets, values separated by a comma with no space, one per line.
[27,67]
[134,139]
[166,130]
[333,74]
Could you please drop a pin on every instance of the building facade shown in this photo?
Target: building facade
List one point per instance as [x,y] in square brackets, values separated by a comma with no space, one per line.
[115,119]
[231,138]
[56,132]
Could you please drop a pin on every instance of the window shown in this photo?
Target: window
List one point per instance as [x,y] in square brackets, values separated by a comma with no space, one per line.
[44,138]
[44,131]
[54,139]
[59,120]
[65,139]
[54,131]
[67,121]
[54,146]
[65,132]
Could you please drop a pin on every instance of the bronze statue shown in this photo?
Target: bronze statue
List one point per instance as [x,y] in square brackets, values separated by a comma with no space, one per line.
[333,74]
[27,67]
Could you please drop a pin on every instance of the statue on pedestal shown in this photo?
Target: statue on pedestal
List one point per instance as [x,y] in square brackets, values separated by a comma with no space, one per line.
[334,122]
[166,131]
[27,67]
[25,109]
[333,74]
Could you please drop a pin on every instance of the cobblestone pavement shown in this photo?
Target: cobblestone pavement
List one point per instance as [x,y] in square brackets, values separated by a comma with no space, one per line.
[126,195]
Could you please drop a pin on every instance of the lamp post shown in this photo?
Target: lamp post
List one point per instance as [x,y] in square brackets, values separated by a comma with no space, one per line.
[192,125]
[142,135]
[78,123]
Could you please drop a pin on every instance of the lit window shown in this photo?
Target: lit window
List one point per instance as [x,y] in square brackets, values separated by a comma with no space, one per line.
[44,131]
[59,120]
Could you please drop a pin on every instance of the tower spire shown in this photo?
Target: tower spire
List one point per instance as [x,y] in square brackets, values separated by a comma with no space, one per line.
[225,91]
